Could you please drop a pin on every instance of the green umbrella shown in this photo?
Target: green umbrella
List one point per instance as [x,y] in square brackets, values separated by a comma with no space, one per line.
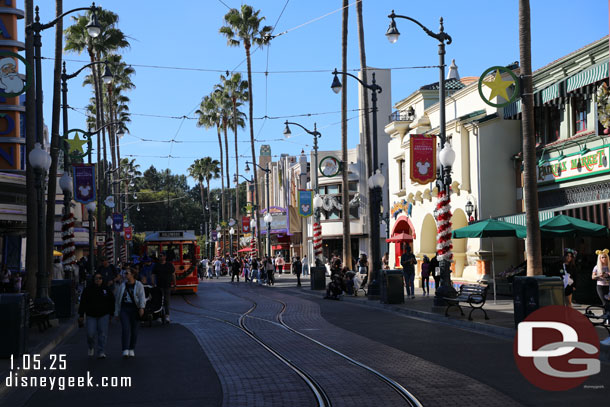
[491,228]
[567,226]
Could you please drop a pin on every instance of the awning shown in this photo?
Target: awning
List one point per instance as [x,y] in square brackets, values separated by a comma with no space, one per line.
[588,76]
[513,109]
[400,237]
[245,249]
[280,246]
[519,218]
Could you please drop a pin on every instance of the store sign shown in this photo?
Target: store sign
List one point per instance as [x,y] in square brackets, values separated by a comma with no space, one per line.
[279,224]
[574,166]
[423,158]
[172,234]
[100,238]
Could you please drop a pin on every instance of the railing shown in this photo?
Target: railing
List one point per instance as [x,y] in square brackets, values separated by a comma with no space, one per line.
[400,116]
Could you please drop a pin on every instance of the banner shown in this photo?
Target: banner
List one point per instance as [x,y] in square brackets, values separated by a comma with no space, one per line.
[214,236]
[423,158]
[128,232]
[117,222]
[245,224]
[305,202]
[84,182]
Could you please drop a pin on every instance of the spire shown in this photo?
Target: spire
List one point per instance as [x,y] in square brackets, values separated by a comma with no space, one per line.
[453,71]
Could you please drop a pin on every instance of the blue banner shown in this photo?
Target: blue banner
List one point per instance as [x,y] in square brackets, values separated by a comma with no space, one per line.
[214,236]
[84,182]
[117,222]
[305,202]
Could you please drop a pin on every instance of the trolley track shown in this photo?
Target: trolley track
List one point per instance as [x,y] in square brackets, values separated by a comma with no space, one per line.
[407,396]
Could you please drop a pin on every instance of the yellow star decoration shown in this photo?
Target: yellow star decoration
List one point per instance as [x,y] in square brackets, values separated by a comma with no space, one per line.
[76,144]
[498,86]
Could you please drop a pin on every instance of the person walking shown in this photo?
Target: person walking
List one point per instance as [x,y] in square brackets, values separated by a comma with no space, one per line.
[235,268]
[146,271]
[217,267]
[5,279]
[97,304]
[568,271]
[164,276]
[297,268]
[246,269]
[385,261]
[435,271]
[408,261]
[203,267]
[425,275]
[58,269]
[279,263]
[270,270]
[601,273]
[305,263]
[109,273]
[129,306]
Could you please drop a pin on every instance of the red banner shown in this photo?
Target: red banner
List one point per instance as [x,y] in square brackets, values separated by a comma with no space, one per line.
[423,158]
[245,224]
[128,232]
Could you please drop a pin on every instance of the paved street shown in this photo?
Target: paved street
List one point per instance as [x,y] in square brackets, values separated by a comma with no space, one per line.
[211,355]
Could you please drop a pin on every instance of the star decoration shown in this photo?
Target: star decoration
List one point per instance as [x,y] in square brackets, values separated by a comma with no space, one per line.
[76,144]
[498,86]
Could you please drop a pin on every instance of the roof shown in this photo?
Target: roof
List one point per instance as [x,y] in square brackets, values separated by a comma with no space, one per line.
[469,79]
[450,84]
[570,54]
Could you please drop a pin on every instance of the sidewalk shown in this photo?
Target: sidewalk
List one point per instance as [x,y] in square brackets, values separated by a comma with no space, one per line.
[501,312]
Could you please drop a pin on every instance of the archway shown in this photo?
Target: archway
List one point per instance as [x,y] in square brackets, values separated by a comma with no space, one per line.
[459,220]
[403,233]
[427,244]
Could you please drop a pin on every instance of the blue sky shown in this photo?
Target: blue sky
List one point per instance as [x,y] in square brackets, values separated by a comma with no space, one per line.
[184,34]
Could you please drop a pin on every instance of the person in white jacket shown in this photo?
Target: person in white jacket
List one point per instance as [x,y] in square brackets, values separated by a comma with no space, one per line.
[130,301]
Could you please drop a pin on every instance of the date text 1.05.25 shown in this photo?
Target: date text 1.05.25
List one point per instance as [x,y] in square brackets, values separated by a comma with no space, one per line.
[34,361]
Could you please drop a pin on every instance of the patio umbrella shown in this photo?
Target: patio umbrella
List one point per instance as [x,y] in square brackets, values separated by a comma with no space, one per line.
[57,254]
[491,228]
[567,226]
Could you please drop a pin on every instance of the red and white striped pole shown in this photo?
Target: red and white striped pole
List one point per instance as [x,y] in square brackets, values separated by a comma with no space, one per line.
[444,244]
[317,240]
[68,248]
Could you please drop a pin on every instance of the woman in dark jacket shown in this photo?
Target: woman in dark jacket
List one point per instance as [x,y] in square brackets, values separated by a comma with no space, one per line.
[97,302]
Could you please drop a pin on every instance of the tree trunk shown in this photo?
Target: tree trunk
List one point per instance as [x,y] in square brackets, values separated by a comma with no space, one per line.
[224,128]
[99,164]
[530,190]
[55,138]
[31,252]
[209,222]
[222,191]
[254,168]
[236,160]
[347,251]
[366,114]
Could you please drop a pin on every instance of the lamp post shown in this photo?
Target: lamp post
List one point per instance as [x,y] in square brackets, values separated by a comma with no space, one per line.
[267,171]
[385,217]
[446,158]
[40,161]
[231,233]
[375,183]
[218,231]
[470,209]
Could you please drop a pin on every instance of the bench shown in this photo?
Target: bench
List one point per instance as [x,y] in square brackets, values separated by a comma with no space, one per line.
[597,316]
[473,294]
[40,317]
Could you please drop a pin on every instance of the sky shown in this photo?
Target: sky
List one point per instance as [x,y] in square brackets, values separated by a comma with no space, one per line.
[178,56]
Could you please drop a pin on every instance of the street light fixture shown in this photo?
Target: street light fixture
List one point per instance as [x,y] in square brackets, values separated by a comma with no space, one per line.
[446,158]
[375,184]
[231,233]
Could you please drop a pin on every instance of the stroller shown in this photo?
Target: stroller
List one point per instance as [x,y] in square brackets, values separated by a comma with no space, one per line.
[335,288]
[154,305]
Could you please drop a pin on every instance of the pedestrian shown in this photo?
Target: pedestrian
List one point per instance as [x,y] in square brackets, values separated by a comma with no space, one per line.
[246,269]
[297,268]
[164,276]
[5,279]
[269,268]
[568,271]
[408,261]
[17,282]
[129,305]
[305,263]
[435,270]
[279,263]
[203,268]
[146,271]
[254,268]
[385,261]
[425,275]
[217,267]
[262,271]
[109,273]
[235,268]
[601,273]
[58,269]
[97,304]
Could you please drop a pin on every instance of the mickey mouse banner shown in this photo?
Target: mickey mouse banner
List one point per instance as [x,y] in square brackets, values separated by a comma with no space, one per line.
[84,182]
[423,158]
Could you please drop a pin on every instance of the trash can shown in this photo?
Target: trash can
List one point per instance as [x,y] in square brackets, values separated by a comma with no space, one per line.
[14,323]
[317,278]
[531,293]
[392,287]
[61,294]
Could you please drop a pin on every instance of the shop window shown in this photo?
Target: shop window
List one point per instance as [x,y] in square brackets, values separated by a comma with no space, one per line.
[553,123]
[580,106]
[353,186]
[402,174]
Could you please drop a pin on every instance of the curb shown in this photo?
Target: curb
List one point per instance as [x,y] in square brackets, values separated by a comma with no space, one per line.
[43,351]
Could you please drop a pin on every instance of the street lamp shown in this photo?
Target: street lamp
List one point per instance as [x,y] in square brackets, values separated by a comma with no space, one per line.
[231,233]
[375,184]
[267,171]
[40,161]
[446,159]
[316,135]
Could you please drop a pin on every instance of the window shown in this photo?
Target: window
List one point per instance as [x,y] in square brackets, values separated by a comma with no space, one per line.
[554,123]
[579,107]
[353,186]
[402,175]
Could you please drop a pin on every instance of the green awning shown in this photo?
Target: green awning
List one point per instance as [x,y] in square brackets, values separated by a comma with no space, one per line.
[519,218]
[550,93]
[588,76]
[513,109]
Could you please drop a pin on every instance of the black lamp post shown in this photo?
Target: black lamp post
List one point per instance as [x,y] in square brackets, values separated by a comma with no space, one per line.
[469,208]
[446,155]
[375,183]
[267,171]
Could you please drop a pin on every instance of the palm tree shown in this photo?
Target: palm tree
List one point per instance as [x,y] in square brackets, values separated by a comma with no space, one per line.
[205,169]
[244,26]
[347,250]
[223,106]
[236,91]
[534,251]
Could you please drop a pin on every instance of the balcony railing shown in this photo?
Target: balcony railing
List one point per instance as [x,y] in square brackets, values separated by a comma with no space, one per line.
[401,116]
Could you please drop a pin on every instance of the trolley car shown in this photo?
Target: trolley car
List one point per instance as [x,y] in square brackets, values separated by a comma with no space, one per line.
[182,251]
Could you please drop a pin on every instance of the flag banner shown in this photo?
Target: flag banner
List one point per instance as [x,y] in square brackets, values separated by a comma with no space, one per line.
[128,232]
[245,224]
[214,236]
[117,222]
[305,202]
[423,158]
[84,182]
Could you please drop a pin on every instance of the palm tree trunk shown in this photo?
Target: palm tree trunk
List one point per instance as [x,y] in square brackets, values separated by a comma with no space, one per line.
[347,251]
[55,138]
[236,160]
[533,247]
[224,128]
[222,179]
[251,122]
[366,114]
[31,265]
[209,222]
[100,164]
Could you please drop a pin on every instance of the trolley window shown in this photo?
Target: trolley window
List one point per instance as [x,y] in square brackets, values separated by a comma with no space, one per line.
[188,252]
[172,251]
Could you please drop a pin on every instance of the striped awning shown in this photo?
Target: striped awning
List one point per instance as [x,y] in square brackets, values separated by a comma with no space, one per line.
[550,93]
[588,76]
[513,109]
[519,218]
